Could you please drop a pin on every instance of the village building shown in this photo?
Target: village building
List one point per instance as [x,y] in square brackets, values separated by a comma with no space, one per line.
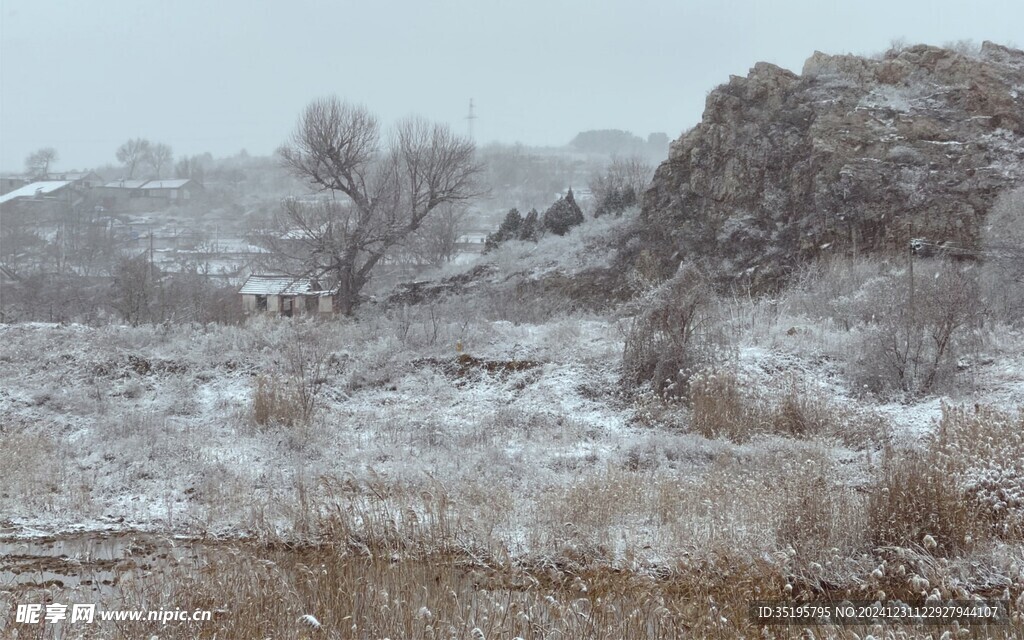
[286,296]
[45,190]
[144,195]
[80,179]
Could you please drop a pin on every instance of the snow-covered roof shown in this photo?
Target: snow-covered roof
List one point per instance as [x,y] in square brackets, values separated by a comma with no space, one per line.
[279,286]
[72,176]
[34,189]
[166,184]
[148,184]
[125,184]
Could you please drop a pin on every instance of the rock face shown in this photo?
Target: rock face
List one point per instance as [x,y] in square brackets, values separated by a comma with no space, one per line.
[854,154]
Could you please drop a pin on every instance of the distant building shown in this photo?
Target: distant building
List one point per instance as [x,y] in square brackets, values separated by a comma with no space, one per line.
[43,190]
[11,182]
[172,190]
[141,195]
[286,296]
[81,179]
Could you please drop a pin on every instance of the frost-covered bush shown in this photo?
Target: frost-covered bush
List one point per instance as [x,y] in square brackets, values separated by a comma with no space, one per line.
[914,327]
[675,335]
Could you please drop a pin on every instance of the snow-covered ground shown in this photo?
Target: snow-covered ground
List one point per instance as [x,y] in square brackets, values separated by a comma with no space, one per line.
[446,420]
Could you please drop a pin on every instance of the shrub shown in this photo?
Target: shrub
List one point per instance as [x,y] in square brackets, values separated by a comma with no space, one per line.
[563,215]
[675,335]
[918,326]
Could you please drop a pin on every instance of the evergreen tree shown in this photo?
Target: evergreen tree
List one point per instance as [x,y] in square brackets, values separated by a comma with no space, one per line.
[508,230]
[531,227]
[511,224]
[563,215]
[616,201]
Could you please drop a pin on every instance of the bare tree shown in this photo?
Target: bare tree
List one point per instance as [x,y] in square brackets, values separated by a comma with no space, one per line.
[37,164]
[1002,238]
[381,193]
[621,185]
[436,242]
[190,168]
[132,289]
[159,157]
[133,153]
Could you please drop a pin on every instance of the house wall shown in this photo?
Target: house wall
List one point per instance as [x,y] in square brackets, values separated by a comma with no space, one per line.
[248,303]
[301,305]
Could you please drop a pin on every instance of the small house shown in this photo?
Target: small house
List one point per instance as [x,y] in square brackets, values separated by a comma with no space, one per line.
[172,190]
[286,296]
[146,195]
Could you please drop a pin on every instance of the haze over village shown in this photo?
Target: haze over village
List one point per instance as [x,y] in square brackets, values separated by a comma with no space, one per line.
[511,320]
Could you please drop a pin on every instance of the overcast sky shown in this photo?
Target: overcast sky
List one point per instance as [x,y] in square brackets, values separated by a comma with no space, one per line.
[226,75]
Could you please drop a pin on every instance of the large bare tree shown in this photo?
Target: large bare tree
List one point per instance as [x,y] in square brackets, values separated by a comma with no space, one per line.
[133,153]
[381,192]
[160,157]
[37,164]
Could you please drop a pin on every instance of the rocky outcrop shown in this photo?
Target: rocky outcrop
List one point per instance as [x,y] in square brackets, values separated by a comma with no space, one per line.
[853,154]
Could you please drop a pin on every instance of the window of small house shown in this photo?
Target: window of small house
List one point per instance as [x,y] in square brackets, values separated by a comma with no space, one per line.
[261,303]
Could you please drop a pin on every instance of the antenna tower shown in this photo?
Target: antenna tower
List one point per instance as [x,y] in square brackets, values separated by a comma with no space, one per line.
[470,118]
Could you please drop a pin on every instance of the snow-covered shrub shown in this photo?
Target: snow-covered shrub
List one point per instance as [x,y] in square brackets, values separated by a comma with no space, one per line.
[834,288]
[675,335]
[919,326]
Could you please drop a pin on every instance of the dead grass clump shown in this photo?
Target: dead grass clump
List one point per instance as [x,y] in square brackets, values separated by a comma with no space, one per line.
[274,403]
[916,496]
[720,408]
[819,515]
[966,487]
[983,450]
[801,412]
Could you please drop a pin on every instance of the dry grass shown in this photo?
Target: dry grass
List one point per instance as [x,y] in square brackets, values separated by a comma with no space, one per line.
[723,407]
[965,488]
[386,559]
[275,403]
[914,498]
